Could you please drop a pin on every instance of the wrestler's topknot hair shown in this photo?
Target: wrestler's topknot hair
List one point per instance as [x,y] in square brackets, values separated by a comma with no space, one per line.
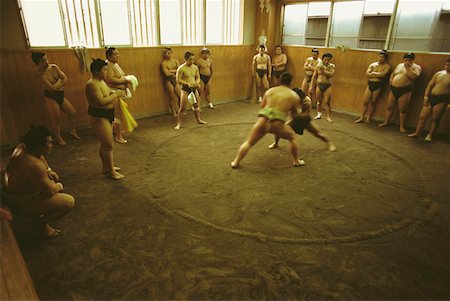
[385,53]
[262,46]
[36,137]
[37,57]
[327,55]
[285,78]
[278,46]
[409,55]
[97,65]
[315,50]
[205,50]
[188,54]
[109,51]
[300,92]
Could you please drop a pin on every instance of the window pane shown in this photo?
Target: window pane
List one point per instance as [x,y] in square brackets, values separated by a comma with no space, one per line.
[346,23]
[116,26]
[81,23]
[143,22]
[170,21]
[319,9]
[233,21]
[214,21]
[295,19]
[373,7]
[43,22]
[446,5]
[192,12]
[416,19]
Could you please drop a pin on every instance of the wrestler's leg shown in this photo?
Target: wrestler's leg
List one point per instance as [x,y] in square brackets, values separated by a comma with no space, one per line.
[173,99]
[389,110]
[45,210]
[103,130]
[117,127]
[265,84]
[305,86]
[68,108]
[319,97]
[327,102]
[425,113]
[208,95]
[286,132]
[55,119]
[367,99]
[258,131]
[438,111]
[182,109]
[315,131]
[258,87]
[403,102]
[197,109]
[373,103]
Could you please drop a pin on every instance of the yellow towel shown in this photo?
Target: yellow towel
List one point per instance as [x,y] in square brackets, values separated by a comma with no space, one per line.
[127,120]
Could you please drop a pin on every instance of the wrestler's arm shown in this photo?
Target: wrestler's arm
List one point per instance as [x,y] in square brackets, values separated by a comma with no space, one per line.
[294,108]
[283,60]
[264,101]
[165,70]
[393,74]
[211,69]
[269,67]
[94,92]
[430,86]
[253,65]
[51,174]
[112,80]
[413,73]
[39,177]
[62,76]
[369,72]
[330,71]
[179,77]
[197,77]
[306,105]
[313,81]
[382,73]
[307,67]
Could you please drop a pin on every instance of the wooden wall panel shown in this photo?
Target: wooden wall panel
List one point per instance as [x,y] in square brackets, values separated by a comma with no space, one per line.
[22,100]
[349,81]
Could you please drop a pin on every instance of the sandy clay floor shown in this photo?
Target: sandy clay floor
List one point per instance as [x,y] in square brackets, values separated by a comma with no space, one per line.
[369,221]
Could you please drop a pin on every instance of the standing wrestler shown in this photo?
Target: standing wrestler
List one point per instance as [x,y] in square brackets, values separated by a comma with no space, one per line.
[101,101]
[169,68]
[401,81]
[278,64]
[377,76]
[436,100]
[31,188]
[309,67]
[303,121]
[278,102]
[188,77]
[116,80]
[324,71]
[205,66]
[54,80]
[262,70]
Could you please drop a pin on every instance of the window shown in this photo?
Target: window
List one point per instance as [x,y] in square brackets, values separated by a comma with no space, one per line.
[346,23]
[42,17]
[415,25]
[441,35]
[316,28]
[294,24]
[375,23]
[80,23]
[95,23]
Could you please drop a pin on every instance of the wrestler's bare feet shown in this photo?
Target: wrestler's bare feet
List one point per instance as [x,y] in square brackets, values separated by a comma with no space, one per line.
[428,138]
[177,127]
[50,232]
[273,146]
[402,130]
[115,175]
[234,165]
[298,162]
[368,120]
[75,135]
[61,142]
[361,119]
[201,121]
[413,135]
[115,169]
[330,120]
[331,147]
[121,140]
[382,124]
[319,116]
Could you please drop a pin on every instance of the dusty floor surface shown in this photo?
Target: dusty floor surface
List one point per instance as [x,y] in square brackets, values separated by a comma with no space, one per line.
[369,221]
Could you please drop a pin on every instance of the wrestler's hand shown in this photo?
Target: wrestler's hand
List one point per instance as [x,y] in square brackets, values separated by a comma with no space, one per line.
[407,64]
[5,214]
[426,102]
[53,176]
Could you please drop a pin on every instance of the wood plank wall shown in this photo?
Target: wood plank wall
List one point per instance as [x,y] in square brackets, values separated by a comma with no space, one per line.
[349,81]
[21,93]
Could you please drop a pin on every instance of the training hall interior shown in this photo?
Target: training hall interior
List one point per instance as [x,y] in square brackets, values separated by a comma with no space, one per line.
[367,221]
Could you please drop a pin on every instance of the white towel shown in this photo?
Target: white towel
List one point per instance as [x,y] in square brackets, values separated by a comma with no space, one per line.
[134,81]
